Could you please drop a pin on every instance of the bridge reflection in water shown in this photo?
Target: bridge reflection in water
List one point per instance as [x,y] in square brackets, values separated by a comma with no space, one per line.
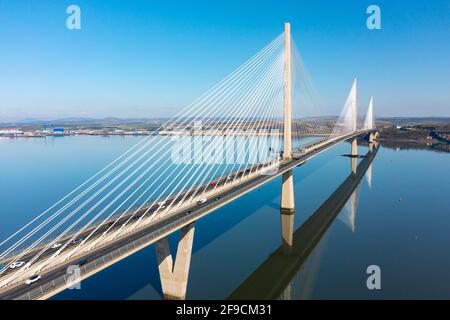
[279,275]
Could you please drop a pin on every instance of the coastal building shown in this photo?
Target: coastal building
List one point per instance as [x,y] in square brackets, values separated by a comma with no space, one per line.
[58,132]
[42,133]
[11,132]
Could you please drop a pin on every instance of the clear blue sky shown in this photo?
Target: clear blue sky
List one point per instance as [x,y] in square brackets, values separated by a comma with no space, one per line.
[151,58]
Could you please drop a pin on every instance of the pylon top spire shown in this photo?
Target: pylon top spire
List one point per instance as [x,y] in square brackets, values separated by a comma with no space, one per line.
[354,104]
[369,123]
[287,93]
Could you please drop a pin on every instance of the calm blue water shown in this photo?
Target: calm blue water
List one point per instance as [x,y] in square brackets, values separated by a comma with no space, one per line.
[402,223]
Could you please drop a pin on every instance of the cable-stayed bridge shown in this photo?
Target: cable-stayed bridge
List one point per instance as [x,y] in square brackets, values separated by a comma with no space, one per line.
[250,128]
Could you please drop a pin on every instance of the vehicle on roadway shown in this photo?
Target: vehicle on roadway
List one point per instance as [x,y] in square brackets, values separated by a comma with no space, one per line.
[16,264]
[56,245]
[32,279]
[161,204]
[81,263]
[217,198]
[201,201]
[76,240]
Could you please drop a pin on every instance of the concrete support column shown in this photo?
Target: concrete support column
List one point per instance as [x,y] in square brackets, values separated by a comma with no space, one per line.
[354,155]
[287,292]
[174,278]
[287,229]
[287,192]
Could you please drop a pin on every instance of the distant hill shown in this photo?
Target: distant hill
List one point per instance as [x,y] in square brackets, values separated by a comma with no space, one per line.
[151,122]
[415,120]
[79,121]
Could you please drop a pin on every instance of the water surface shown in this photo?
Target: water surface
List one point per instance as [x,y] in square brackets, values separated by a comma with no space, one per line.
[401,223]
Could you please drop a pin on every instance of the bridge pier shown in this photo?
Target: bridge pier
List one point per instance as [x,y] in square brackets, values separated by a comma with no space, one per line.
[287,212]
[354,155]
[287,229]
[287,292]
[174,277]
[287,192]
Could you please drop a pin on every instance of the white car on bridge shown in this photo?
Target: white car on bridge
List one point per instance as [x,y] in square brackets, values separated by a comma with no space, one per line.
[56,245]
[33,279]
[16,264]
